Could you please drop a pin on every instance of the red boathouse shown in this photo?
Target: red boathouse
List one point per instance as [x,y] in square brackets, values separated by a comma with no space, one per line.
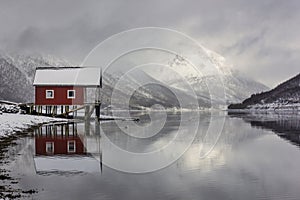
[63,86]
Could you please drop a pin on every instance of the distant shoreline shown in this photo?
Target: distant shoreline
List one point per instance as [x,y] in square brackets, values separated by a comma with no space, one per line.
[266,109]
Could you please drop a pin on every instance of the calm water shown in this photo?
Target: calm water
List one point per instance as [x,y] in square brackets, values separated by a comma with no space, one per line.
[249,157]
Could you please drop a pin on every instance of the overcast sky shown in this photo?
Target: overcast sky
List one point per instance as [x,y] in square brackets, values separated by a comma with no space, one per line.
[259,37]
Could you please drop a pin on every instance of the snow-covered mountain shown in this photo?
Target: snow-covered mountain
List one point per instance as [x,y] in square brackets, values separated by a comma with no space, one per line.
[17,71]
[236,85]
[284,96]
[141,96]
[175,77]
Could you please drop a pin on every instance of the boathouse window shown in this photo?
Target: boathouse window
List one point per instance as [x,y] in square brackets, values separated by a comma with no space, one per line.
[49,94]
[71,146]
[49,147]
[71,94]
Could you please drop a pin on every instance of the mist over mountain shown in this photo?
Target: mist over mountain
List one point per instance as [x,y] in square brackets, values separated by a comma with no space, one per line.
[17,73]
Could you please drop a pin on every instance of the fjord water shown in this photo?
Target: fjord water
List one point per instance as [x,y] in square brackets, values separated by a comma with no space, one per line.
[253,157]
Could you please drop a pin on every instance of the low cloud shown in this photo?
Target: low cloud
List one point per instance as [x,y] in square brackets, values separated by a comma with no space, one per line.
[260,38]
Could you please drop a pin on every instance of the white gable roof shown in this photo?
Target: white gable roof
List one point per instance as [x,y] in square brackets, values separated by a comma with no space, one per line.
[67,76]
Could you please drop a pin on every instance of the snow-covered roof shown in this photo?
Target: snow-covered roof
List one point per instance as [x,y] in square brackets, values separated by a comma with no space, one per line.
[67,76]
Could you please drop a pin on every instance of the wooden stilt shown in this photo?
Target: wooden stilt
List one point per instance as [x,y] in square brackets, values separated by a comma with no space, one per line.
[87,127]
[67,130]
[55,130]
[97,127]
[76,129]
[54,110]
[86,113]
[46,131]
[62,130]
[67,110]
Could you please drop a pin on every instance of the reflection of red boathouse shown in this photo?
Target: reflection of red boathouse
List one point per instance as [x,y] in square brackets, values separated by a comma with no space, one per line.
[58,142]
[58,148]
[58,145]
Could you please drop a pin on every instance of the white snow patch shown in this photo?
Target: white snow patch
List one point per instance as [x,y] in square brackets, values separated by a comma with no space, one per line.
[12,123]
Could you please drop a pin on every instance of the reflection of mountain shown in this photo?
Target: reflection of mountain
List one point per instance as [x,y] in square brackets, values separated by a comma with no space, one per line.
[212,149]
[285,126]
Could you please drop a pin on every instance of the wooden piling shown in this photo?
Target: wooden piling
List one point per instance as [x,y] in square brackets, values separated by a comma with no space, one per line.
[67,110]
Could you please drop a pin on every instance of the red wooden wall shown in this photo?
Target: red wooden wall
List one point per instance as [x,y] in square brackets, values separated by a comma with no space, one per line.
[60,95]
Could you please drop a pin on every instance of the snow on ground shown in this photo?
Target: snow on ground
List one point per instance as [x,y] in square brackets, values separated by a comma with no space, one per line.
[12,123]
[278,107]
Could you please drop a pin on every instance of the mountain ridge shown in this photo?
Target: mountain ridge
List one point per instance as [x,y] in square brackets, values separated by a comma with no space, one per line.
[286,94]
[17,71]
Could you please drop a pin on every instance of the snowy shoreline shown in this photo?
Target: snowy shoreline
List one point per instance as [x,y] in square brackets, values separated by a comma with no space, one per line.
[271,107]
[13,123]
